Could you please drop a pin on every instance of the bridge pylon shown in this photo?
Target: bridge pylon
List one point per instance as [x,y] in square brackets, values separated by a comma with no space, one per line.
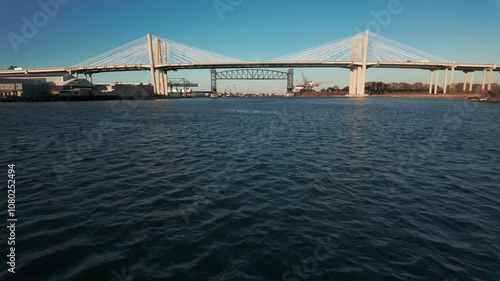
[157,56]
[359,57]
[152,62]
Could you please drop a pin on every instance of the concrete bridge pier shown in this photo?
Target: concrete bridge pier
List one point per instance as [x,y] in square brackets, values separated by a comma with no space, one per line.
[483,84]
[465,81]
[360,88]
[436,84]
[88,77]
[357,83]
[353,81]
[351,71]
[471,81]
[452,82]
[431,81]
[165,82]
[445,81]
[159,85]
[491,79]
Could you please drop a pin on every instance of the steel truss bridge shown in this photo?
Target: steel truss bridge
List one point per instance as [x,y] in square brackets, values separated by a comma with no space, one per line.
[357,53]
[252,74]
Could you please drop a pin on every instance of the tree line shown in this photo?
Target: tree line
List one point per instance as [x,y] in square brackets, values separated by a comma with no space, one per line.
[404,87]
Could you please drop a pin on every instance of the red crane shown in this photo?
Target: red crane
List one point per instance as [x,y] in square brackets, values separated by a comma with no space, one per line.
[307,85]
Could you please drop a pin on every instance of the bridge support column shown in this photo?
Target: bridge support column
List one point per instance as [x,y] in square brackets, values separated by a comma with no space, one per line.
[350,81]
[353,83]
[90,78]
[213,76]
[452,82]
[430,83]
[159,82]
[360,88]
[490,80]
[152,63]
[465,81]
[436,84]
[157,89]
[165,78]
[163,87]
[165,82]
[289,81]
[445,81]
[356,83]
[471,81]
[483,85]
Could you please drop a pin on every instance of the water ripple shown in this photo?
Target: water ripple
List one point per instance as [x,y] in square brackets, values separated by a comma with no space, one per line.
[249,189]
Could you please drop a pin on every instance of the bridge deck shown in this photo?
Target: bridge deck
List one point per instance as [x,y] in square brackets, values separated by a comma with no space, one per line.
[468,67]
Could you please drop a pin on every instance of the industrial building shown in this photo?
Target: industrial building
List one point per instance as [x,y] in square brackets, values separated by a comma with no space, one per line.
[23,88]
[66,85]
[126,90]
[35,85]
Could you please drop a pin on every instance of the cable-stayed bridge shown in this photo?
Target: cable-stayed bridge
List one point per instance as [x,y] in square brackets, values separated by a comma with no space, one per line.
[357,53]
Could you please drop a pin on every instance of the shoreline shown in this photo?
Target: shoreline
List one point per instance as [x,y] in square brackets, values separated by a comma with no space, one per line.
[392,95]
[302,95]
[427,95]
[79,98]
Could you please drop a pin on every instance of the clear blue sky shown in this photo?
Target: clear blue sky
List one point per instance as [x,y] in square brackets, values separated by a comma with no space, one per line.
[460,30]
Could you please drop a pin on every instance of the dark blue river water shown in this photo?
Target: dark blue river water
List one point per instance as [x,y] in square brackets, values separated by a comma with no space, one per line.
[254,189]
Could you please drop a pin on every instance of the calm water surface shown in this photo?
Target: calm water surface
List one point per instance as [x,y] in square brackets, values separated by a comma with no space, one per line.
[254,189]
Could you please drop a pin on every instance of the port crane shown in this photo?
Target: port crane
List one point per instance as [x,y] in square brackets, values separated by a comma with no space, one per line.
[306,86]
